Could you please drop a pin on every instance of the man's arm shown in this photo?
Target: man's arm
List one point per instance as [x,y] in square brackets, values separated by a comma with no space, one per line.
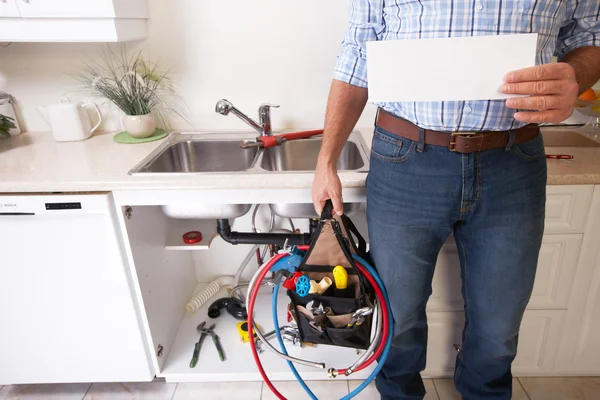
[553,88]
[347,98]
[586,63]
[344,106]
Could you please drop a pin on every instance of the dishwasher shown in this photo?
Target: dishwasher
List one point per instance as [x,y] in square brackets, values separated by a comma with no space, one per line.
[67,309]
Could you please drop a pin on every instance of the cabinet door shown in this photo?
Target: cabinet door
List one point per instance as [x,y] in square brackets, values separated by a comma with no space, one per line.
[9,9]
[580,344]
[163,280]
[445,334]
[554,278]
[567,208]
[538,340]
[83,8]
[66,308]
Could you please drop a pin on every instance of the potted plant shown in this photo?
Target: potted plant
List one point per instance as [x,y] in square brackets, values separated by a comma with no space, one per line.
[6,124]
[136,86]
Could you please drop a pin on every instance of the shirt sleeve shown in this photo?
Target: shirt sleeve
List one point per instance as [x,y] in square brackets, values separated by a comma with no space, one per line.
[582,28]
[365,23]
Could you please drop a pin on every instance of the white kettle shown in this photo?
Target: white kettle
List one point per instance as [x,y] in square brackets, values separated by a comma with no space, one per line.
[70,121]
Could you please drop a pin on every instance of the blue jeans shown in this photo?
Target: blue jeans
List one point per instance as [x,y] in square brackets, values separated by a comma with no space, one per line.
[493,203]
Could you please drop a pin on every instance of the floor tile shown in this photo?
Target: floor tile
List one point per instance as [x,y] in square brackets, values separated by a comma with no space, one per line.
[291,390]
[446,391]
[131,391]
[562,388]
[218,391]
[371,393]
[57,391]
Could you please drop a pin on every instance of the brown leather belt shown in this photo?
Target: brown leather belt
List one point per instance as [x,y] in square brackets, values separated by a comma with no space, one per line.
[460,142]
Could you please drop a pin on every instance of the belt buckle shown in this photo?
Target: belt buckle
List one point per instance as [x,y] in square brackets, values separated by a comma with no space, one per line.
[453,135]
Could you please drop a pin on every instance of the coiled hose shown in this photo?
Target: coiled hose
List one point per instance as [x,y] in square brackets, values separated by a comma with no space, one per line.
[383,350]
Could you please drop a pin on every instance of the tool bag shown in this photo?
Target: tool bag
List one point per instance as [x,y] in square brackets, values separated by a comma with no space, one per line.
[325,318]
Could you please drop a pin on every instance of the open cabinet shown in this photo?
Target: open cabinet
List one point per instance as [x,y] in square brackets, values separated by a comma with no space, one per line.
[167,274]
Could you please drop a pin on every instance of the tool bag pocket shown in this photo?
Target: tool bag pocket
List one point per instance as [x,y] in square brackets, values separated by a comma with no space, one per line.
[330,317]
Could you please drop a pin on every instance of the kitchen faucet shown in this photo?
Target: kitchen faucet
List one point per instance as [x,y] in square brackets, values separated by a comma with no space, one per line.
[224,107]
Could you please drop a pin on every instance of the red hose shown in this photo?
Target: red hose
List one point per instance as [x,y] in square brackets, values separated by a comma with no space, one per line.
[386,326]
[252,299]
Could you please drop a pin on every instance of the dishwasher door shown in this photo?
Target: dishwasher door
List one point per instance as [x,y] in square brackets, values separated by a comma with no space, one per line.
[67,313]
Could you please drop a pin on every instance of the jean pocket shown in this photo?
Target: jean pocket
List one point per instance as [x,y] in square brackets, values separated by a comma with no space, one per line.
[391,148]
[532,150]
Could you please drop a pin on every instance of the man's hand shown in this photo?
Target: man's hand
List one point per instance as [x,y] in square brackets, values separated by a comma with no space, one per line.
[553,91]
[326,186]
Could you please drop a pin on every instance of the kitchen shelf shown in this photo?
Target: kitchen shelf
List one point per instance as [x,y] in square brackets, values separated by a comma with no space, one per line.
[239,364]
[178,227]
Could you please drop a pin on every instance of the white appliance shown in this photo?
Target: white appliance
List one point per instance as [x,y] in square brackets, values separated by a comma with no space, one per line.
[67,312]
[70,121]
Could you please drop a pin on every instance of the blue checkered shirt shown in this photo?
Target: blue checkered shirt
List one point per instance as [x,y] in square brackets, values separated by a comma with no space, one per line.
[562,26]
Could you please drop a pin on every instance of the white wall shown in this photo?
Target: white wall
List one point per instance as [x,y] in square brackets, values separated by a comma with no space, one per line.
[248,52]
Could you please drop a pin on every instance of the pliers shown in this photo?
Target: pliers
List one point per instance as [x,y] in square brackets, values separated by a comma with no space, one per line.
[203,333]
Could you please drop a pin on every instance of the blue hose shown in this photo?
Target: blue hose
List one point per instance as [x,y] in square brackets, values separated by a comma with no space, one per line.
[282,345]
[384,355]
[388,344]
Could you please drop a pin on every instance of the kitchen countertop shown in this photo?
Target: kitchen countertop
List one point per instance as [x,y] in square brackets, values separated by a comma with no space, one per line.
[34,162]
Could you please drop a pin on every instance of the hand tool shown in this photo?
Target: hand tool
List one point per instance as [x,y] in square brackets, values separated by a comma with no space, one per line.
[215,339]
[198,344]
[359,316]
[276,140]
[560,156]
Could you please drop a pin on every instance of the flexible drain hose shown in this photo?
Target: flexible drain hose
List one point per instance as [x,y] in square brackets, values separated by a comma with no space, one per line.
[202,296]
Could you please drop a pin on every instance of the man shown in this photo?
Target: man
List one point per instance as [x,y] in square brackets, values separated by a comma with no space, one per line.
[487,189]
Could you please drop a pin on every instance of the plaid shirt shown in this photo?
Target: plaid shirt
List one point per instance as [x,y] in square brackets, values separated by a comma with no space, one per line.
[562,26]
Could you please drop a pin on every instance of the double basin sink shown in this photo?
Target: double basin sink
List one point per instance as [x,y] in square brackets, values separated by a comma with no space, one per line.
[192,153]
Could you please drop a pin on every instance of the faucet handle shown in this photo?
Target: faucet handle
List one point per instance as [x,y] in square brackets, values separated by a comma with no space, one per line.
[264,115]
[265,107]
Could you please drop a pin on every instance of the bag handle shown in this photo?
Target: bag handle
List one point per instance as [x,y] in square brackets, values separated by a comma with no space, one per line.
[327,212]
[351,228]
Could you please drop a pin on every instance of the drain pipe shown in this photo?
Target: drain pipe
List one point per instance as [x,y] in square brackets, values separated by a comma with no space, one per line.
[280,239]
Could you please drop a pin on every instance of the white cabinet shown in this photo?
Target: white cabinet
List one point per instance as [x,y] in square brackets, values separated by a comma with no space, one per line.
[83,9]
[73,20]
[554,278]
[567,208]
[67,311]
[9,9]
[538,341]
[580,344]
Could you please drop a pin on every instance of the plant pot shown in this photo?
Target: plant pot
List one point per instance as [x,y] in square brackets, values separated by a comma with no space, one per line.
[139,126]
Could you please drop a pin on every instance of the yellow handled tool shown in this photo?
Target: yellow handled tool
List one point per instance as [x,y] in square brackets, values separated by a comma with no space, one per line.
[340,276]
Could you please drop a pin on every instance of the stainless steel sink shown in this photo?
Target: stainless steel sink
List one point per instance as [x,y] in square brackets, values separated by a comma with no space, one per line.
[201,156]
[212,153]
[302,155]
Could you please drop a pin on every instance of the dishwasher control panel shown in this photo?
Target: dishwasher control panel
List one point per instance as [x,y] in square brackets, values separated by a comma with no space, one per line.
[63,206]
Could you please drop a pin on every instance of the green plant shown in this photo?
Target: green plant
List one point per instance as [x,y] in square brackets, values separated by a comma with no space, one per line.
[6,124]
[134,84]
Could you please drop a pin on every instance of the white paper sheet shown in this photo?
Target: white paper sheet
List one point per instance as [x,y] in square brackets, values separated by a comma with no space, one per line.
[445,69]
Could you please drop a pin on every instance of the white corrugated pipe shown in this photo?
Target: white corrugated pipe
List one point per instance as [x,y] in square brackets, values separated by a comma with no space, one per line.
[202,296]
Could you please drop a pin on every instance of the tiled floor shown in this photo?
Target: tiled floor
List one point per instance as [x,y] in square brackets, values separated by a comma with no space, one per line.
[437,389]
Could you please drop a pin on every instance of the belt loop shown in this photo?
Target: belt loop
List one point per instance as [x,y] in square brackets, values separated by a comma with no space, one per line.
[421,144]
[511,140]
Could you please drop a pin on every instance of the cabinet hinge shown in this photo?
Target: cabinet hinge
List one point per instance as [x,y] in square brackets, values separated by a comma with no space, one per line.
[128,212]
[159,350]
